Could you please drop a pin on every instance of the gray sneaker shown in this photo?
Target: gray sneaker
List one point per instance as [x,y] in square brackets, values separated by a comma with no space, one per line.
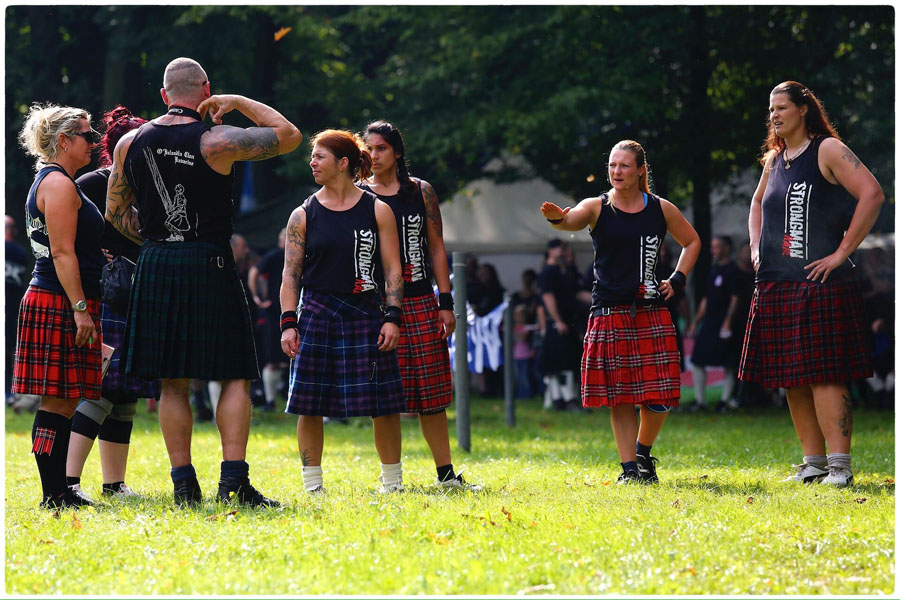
[838,477]
[458,483]
[80,493]
[807,473]
[124,492]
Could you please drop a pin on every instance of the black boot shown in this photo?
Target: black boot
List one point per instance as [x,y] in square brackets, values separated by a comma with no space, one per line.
[187,492]
[66,499]
[238,489]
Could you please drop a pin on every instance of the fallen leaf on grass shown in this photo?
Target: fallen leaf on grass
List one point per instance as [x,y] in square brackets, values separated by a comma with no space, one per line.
[750,500]
[704,477]
[507,513]
[228,515]
[48,541]
[605,483]
[889,480]
[861,500]
[588,483]
[675,503]
[75,522]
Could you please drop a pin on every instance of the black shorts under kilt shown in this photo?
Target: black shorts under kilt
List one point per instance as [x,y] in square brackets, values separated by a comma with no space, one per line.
[800,333]
[188,315]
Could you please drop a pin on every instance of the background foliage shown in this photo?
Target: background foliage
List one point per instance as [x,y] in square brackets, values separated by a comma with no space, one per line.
[558,85]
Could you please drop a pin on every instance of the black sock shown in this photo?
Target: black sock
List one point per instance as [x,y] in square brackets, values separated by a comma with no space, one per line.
[643,450]
[183,472]
[631,465]
[446,473]
[70,481]
[113,487]
[50,446]
[235,469]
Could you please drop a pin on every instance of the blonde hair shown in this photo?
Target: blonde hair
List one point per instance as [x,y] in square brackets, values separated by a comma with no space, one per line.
[40,134]
[640,159]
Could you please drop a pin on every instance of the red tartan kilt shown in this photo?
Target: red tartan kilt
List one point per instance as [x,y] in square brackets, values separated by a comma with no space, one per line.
[631,360]
[800,333]
[424,357]
[47,361]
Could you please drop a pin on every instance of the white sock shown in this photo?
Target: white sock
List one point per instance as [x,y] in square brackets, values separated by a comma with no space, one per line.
[392,474]
[312,478]
[728,384]
[215,390]
[271,377]
[839,460]
[552,391]
[568,388]
[816,460]
[699,384]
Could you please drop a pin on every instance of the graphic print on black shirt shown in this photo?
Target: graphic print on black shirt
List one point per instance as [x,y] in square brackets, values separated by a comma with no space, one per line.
[364,260]
[648,289]
[796,221]
[176,208]
[414,259]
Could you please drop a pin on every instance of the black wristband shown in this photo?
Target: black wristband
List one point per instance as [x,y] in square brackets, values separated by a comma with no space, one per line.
[393,314]
[555,221]
[677,280]
[445,301]
[288,320]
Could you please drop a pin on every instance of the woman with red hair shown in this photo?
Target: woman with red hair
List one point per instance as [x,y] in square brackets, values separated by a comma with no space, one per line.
[341,248]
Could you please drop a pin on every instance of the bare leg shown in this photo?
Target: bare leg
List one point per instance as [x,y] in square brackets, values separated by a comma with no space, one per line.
[176,421]
[310,440]
[387,438]
[651,424]
[79,449]
[434,428]
[835,415]
[113,460]
[803,413]
[233,418]
[625,429]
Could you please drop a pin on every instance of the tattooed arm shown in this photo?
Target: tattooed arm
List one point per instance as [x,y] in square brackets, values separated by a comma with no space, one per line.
[389,245]
[224,145]
[434,233]
[840,166]
[120,209]
[294,251]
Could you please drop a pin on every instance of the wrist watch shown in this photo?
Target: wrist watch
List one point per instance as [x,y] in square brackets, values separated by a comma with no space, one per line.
[80,306]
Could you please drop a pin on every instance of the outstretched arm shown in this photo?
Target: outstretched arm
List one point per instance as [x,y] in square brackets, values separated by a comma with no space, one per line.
[120,209]
[294,252]
[224,145]
[585,214]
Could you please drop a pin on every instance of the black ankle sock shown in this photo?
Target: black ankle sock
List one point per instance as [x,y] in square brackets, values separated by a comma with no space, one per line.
[183,472]
[70,481]
[643,450]
[50,446]
[113,487]
[235,469]
[631,465]
[446,473]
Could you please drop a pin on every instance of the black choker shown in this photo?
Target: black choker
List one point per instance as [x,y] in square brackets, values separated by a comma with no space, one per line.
[180,111]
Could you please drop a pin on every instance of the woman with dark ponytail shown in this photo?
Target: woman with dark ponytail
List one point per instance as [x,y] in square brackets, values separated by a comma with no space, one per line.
[341,251]
[428,322]
[814,204]
[111,417]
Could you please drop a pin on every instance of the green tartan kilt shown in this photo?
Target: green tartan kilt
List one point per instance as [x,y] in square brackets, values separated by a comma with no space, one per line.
[188,315]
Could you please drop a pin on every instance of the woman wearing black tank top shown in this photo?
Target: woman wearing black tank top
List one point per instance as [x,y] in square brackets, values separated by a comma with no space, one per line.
[342,344]
[422,351]
[806,332]
[58,336]
[630,351]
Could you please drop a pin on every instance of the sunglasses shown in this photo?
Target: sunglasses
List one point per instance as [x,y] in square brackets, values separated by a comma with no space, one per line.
[90,136]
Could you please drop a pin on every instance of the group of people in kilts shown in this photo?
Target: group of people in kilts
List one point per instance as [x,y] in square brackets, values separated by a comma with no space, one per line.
[360,322]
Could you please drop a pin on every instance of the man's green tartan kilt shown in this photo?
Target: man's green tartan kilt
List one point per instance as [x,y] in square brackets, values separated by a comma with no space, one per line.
[188,315]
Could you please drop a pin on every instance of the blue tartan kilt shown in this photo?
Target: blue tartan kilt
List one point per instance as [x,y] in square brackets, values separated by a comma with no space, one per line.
[338,370]
[117,387]
[188,315]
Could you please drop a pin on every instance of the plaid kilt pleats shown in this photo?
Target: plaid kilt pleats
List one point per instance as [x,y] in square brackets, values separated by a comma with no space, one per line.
[47,361]
[631,360]
[338,370]
[424,357]
[118,387]
[188,315]
[800,333]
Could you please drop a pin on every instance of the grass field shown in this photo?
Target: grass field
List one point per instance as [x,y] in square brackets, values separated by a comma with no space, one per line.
[551,521]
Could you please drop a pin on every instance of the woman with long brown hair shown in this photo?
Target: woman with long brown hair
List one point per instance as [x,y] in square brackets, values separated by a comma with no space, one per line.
[806,332]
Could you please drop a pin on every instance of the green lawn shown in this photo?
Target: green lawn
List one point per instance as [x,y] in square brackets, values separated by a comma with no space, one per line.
[551,521]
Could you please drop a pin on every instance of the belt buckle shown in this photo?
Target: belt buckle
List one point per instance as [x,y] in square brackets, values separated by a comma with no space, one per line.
[605,311]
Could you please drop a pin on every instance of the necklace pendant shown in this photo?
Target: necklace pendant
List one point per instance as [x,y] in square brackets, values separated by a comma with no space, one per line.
[787,165]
